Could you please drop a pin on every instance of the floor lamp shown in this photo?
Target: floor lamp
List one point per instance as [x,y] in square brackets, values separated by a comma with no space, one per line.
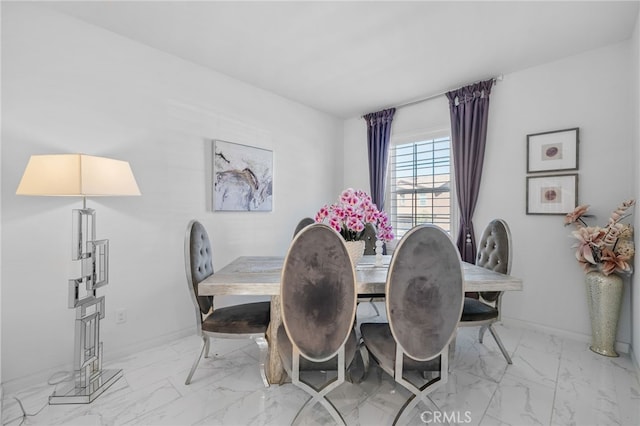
[83,176]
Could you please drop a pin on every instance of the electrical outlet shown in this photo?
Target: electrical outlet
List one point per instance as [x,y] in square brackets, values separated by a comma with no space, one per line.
[121,316]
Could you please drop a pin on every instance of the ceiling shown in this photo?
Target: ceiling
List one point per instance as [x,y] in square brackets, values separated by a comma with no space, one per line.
[348,58]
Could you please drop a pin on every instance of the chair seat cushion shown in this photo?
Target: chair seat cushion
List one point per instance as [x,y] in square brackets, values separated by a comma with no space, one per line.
[475,310]
[285,349]
[246,318]
[382,346]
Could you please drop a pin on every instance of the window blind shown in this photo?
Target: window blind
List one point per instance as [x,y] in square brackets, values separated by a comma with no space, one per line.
[420,184]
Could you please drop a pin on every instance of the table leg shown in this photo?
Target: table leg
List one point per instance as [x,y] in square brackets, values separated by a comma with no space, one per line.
[275,370]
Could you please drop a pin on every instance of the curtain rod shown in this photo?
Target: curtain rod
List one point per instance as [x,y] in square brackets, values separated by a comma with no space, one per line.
[435,95]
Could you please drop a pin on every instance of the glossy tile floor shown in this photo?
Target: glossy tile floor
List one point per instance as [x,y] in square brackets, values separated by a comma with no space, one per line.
[553,381]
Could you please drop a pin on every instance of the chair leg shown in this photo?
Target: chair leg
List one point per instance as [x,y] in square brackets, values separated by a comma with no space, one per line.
[364,353]
[318,395]
[481,333]
[205,349]
[412,402]
[420,393]
[322,400]
[359,368]
[452,349]
[374,307]
[500,345]
[264,349]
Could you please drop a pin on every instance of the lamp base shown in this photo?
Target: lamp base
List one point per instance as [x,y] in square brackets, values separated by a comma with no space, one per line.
[85,395]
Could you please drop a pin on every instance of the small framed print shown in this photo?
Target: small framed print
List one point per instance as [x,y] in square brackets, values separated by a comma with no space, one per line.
[552,194]
[552,151]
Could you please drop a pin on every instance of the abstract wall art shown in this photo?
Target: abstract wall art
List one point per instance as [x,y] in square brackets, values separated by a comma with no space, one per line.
[242,177]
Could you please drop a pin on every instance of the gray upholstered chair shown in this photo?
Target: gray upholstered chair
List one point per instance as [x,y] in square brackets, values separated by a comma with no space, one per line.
[318,296]
[304,222]
[369,235]
[494,252]
[249,320]
[424,296]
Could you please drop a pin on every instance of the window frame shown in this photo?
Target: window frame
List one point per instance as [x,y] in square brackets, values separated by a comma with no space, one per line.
[421,136]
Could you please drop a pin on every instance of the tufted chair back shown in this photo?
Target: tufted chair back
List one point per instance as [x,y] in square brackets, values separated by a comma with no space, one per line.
[494,251]
[369,235]
[304,222]
[199,264]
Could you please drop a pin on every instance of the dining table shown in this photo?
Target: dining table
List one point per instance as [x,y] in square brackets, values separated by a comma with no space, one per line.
[260,276]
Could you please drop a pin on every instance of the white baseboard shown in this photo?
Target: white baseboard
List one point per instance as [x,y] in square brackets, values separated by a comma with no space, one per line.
[42,377]
[580,337]
[148,344]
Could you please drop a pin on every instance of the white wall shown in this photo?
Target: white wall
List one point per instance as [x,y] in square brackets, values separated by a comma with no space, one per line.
[589,91]
[71,87]
[1,387]
[635,289]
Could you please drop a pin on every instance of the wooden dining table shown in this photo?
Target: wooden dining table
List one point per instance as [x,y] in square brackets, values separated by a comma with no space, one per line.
[260,276]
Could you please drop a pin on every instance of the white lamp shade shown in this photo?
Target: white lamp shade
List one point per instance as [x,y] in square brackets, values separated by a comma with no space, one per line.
[77,175]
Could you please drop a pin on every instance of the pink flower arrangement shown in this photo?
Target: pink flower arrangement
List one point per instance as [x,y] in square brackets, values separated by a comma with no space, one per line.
[352,212]
[607,249]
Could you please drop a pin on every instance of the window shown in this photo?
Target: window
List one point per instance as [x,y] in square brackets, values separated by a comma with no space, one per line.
[420,185]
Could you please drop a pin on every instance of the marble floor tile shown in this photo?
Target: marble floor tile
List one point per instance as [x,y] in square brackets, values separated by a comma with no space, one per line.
[552,381]
[465,396]
[627,395]
[478,359]
[521,402]
[601,411]
[536,366]
[539,341]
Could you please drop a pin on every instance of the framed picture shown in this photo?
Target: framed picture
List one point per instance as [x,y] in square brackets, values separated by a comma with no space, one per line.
[242,177]
[552,151]
[552,194]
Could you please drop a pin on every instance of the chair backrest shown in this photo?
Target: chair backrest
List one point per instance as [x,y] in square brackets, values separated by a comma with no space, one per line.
[318,292]
[494,249]
[304,222]
[198,260]
[370,236]
[424,292]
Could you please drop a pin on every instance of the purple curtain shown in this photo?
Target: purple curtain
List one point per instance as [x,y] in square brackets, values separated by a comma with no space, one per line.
[469,107]
[378,132]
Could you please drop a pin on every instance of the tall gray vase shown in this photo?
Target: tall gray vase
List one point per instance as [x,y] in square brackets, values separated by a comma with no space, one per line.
[604,296]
